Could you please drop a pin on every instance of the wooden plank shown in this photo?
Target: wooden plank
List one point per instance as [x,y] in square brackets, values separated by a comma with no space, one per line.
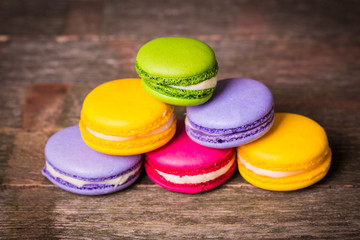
[32,18]
[320,18]
[48,61]
[255,19]
[70,114]
[141,18]
[7,139]
[83,19]
[12,104]
[151,213]
[43,103]
[126,50]
[291,62]
[245,18]
[22,164]
[34,206]
[287,62]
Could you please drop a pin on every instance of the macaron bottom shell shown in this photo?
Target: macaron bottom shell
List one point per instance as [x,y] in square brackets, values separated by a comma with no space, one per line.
[188,188]
[134,146]
[95,189]
[174,100]
[290,183]
[230,140]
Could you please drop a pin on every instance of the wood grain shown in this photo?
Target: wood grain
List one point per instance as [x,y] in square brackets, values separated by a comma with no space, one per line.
[306,52]
[12,104]
[152,213]
[32,18]
[49,61]
[43,104]
[255,19]
[83,19]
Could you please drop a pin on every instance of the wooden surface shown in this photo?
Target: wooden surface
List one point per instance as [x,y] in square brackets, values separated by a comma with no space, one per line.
[52,53]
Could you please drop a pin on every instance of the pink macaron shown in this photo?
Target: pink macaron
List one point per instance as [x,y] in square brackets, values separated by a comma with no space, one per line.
[187,167]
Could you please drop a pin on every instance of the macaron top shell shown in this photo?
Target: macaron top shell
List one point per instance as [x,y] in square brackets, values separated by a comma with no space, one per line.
[122,107]
[182,154]
[68,153]
[236,102]
[175,57]
[294,142]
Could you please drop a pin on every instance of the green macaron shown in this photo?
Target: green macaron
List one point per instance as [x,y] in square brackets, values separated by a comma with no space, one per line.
[176,70]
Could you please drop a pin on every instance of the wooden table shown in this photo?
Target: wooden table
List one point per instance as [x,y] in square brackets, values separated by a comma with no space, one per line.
[52,53]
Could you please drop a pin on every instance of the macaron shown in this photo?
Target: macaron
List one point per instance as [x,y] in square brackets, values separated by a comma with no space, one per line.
[177,70]
[187,167]
[240,111]
[119,117]
[74,167]
[294,154]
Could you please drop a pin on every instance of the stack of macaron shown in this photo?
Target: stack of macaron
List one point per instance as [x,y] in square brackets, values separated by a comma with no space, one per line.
[128,123]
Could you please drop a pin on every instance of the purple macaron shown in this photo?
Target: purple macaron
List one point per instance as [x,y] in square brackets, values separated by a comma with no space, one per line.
[240,111]
[75,167]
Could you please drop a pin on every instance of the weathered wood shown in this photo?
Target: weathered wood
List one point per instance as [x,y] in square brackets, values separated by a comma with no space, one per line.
[70,114]
[287,62]
[126,50]
[43,104]
[306,52]
[11,104]
[257,19]
[48,61]
[32,18]
[151,213]
[290,61]
[7,139]
[23,164]
[232,17]
[83,19]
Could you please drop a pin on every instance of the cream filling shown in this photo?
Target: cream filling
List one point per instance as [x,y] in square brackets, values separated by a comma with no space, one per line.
[211,83]
[162,128]
[79,183]
[198,178]
[268,173]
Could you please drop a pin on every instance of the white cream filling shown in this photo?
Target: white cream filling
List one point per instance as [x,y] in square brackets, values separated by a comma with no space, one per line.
[162,128]
[268,173]
[79,183]
[198,178]
[211,83]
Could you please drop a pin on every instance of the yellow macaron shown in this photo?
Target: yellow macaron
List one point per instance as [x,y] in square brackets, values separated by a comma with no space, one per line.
[294,154]
[120,118]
